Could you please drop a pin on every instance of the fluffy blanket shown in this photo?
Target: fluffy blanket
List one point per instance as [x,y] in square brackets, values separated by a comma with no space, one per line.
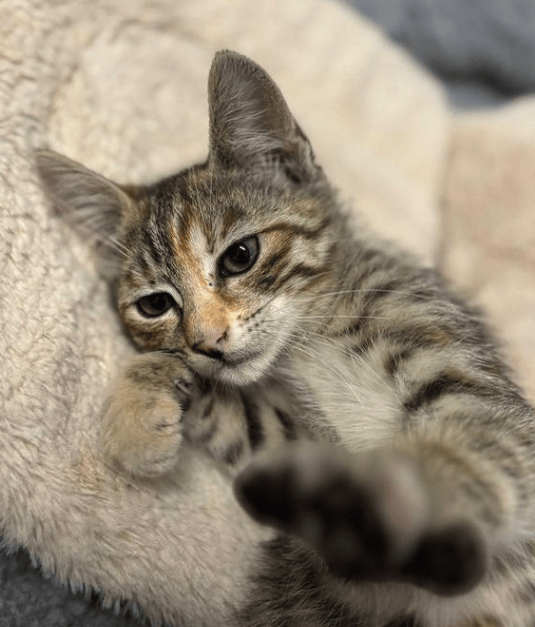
[122,88]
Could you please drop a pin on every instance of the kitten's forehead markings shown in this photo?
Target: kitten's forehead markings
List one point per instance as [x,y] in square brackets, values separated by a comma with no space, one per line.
[201,250]
[191,249]
[181,237]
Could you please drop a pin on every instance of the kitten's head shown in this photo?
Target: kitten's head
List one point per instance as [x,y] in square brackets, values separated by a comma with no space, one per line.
[223,262]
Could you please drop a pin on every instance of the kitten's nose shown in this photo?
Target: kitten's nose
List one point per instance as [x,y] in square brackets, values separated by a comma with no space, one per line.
[211,343]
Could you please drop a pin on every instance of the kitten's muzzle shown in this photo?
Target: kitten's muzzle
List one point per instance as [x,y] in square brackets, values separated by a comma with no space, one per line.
[212,340]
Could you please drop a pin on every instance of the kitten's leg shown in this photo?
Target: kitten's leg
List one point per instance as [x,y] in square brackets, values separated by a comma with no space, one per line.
[141,427]
[371,516]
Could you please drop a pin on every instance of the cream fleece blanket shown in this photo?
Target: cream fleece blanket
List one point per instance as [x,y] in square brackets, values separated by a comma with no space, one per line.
[122,88]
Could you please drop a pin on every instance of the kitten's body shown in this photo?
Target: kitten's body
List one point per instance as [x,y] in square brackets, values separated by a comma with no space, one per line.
[406,496]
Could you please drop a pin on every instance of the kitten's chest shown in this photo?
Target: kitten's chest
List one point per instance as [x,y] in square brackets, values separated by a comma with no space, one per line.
[351,390]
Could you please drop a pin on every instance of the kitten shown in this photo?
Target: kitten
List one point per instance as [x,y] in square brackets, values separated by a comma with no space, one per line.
[362,408]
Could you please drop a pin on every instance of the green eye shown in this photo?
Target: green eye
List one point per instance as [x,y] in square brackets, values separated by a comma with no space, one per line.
[239,257]
[155,305]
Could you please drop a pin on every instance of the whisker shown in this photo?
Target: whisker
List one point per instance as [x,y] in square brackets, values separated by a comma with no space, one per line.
[368,291]
[90,228]
[329,317]
[338,373]
[310,353]
[346,350]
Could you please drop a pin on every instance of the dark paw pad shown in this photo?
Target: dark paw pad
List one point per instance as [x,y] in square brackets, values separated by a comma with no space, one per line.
[450,562]
[267,494]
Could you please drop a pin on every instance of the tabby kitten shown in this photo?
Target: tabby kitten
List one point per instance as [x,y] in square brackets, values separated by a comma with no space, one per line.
[362,407]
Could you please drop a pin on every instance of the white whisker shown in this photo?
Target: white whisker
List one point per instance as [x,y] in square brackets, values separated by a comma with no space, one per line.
[366,291]
[310,353]
[346,350]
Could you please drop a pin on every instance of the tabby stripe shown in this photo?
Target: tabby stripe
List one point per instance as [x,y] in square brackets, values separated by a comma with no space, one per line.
[208,434]
[255,430]
[393,361]
[209,407]
[266,281]
[152,246]
[185,192]
[233,452]
[364,318]
[287,424]
[232,216]
[418,335]
[167,243]
[360,349]
[276,259]
[446,383]
[369,255]
[295,229]
[163,196]
[369,264]
[300,270]
[311,285]
[508,457]
[205,386]
[353,329]
[186,404]
[308,272]
[372,295]
[140,264]
[270,269]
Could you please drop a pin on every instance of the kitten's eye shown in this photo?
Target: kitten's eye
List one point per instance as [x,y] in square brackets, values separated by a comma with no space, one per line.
[154,305]
[239,257]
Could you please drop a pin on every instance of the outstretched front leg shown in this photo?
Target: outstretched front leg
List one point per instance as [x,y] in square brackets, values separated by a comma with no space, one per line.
[372,516]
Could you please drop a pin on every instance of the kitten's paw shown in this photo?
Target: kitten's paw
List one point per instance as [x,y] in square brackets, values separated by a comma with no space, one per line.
[367,515]
[142,433]
[142,430]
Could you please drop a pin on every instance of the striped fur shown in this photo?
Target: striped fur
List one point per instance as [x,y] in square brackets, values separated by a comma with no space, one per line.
[373,402]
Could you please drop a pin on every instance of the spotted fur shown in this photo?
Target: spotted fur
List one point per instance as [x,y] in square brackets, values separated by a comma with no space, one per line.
[389,444]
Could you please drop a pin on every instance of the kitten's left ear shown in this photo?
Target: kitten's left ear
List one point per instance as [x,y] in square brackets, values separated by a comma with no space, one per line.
[91,202]
[251,125]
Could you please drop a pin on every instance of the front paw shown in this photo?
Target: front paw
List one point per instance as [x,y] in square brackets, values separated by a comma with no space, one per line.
[367,515]
[141,429]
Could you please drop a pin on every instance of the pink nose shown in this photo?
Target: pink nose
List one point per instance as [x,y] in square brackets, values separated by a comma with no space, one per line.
[211,343]
[211,337]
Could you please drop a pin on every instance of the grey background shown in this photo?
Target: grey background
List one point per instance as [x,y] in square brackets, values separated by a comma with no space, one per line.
[484,51]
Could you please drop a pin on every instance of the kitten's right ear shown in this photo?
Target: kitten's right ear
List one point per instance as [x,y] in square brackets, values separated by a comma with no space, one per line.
[251,125]
[90,201]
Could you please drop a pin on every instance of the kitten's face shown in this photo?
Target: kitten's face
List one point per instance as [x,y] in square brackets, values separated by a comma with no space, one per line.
[223,270]
[223,262]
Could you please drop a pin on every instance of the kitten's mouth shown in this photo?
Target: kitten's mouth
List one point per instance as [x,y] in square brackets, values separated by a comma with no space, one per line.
[234,361]
[238,367]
